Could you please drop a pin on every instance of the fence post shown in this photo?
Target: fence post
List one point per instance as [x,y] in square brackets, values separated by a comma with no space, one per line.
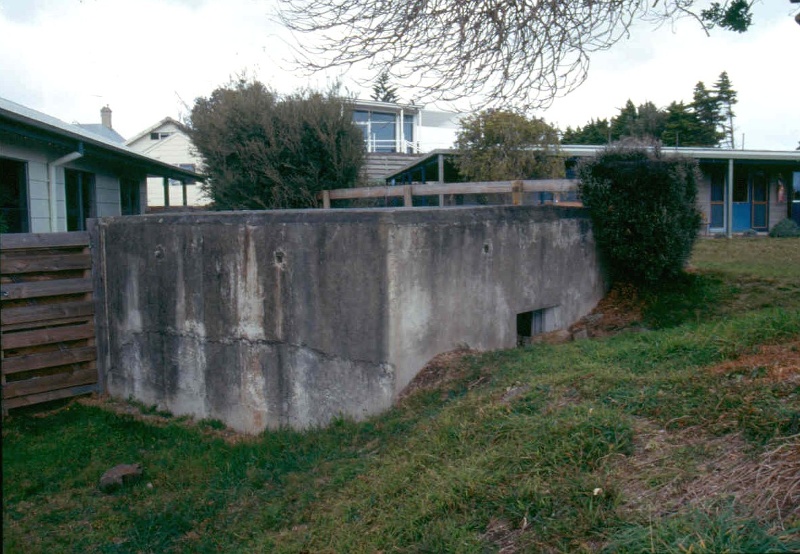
[516,193]
[326,199]
[408,201]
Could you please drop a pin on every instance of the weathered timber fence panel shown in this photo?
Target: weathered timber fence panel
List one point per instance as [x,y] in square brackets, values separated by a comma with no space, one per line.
[47,332]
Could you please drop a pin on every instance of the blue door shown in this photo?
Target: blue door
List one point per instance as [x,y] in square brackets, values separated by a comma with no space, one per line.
[741,202]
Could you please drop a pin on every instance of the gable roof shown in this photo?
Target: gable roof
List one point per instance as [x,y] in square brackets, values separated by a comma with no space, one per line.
[152,128]
[23,121]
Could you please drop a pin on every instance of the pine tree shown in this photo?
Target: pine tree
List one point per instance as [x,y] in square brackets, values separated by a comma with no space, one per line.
[382,91]
[706,107]
[726,98]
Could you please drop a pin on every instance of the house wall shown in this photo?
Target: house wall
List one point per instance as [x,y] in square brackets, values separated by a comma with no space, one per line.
[292,318]
[37,156]
[776,210]
[175,149]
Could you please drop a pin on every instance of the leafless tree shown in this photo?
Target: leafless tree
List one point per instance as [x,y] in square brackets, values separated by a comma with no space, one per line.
[521,52]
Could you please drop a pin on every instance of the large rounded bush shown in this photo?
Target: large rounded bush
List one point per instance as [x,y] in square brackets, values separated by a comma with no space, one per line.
[642,206]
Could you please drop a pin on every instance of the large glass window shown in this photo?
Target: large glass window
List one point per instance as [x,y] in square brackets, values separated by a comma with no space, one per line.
[13,196]
[79,187]
[383,131]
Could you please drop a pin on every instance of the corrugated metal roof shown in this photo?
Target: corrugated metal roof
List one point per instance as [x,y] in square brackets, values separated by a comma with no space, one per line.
[38,120]
[102,130]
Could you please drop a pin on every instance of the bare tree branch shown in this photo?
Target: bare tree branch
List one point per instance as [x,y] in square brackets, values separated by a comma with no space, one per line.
[520,52]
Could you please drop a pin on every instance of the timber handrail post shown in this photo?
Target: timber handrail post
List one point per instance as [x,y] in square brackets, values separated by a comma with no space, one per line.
[326,199]
[516,192]
[408,199]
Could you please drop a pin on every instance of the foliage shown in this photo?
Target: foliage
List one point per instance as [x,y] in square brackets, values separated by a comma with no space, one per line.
[499,145]
[726,98]
[522,54]
[785,228]
[704,122]
[261,151]
[382,91]
[643,211]
[734,15]
[595,132]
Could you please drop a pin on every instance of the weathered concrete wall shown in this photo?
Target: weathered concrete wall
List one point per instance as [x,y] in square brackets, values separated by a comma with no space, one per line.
[267,319]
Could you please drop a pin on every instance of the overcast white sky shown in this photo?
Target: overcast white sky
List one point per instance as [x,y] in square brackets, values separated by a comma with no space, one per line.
[148,59]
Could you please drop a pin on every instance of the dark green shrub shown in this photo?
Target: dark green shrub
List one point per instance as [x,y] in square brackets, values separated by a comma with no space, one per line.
[265,151]
[785,228]
[642,206]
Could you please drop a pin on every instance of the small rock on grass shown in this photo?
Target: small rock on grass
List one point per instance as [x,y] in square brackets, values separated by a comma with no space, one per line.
[120,475]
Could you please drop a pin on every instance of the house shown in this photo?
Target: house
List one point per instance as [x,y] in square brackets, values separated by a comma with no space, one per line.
[54,175]
[741,190]
[395,135]
[167,141]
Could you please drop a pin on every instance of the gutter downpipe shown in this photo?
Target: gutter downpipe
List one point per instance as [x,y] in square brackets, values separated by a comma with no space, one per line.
[729,201]
[51,168]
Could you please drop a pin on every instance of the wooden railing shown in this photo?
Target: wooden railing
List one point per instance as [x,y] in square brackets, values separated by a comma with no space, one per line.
[517,189]
[47,333]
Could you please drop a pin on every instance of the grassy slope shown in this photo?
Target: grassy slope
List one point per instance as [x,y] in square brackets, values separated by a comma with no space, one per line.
[631,443]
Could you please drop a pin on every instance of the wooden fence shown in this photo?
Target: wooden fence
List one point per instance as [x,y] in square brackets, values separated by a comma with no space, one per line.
[47,333]
[517,189]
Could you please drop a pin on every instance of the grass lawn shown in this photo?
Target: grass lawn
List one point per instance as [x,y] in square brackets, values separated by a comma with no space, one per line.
[682,438]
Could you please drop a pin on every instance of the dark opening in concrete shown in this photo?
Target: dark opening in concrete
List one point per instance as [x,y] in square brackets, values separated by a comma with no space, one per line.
[530,324]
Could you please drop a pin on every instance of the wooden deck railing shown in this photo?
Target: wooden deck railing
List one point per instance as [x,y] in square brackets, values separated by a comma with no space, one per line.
[47,333]
[517,189]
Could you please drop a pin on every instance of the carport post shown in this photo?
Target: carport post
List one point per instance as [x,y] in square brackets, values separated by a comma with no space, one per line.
[183,186]
[166,191]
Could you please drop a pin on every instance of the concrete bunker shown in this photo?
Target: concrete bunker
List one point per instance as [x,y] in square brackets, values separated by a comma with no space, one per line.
[292,318]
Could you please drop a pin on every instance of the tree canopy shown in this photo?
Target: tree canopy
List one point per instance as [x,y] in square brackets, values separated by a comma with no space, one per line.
[497,145]
[382,90]
[514,53]
[706,121]
[263,151]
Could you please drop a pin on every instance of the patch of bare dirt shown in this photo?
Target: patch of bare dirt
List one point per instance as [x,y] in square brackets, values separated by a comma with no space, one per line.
[442,370]
[671,471]
[503,535]
[776,363]
[620,310]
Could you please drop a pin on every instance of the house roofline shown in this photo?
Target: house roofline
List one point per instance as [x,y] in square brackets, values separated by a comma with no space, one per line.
[47,128]
[152,128]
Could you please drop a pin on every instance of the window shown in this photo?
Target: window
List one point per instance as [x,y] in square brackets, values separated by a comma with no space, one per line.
[13,196]
[379,128]
[79,188]
[188,167]
[159,136]
[382,132]
[717,220]
[408,133]
[740,188]
[129,198]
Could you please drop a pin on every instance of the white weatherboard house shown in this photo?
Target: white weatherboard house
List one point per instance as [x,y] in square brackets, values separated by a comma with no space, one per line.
[54,175]
[167,141]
